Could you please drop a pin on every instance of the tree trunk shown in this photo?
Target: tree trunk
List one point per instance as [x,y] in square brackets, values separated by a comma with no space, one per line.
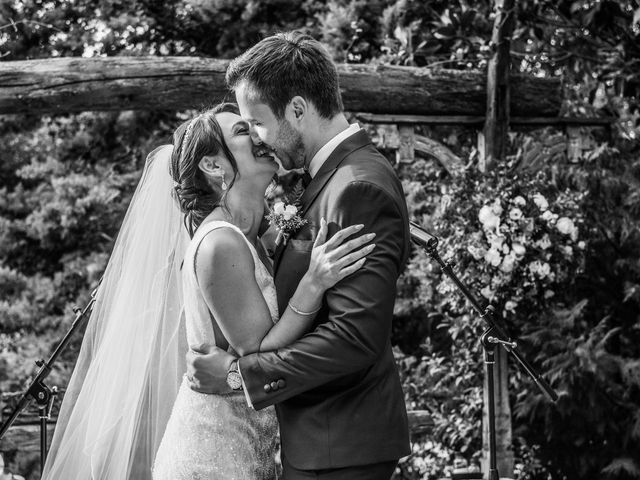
[72,84]
[498,88]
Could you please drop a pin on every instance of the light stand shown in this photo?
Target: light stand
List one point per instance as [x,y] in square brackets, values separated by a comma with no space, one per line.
[491,337]
[39,391]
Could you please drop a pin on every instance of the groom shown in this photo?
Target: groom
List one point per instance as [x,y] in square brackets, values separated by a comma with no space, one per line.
[336,390]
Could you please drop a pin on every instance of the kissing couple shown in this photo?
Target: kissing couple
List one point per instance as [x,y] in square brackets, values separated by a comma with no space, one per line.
[298,343]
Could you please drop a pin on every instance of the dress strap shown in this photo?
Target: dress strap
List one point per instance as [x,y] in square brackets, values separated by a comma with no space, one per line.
[207,228]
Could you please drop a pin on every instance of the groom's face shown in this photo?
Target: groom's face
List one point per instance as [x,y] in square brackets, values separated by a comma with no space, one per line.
[266,127]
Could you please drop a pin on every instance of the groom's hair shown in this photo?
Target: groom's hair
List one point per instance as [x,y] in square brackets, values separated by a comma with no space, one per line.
[285,65]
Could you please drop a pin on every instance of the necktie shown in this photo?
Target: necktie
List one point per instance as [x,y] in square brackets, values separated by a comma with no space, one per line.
[306,179]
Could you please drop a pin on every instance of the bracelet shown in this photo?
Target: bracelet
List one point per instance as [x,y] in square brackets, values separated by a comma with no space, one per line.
[304,314]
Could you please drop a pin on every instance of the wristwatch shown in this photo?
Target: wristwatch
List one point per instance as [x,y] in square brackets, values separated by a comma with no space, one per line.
[234,380]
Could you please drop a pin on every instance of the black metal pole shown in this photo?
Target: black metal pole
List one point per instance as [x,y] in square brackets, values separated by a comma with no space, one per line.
[43,440]
[493,336]
[38,391]
[490,361]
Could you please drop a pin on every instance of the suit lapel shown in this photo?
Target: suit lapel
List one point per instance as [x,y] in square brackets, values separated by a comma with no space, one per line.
[330,166]
[277,255]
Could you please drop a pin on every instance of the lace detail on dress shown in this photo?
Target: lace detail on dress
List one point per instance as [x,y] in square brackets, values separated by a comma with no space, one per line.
[216,436]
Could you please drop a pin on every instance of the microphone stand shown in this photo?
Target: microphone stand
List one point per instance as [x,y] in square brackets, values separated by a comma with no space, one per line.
[492,336]
[38,389]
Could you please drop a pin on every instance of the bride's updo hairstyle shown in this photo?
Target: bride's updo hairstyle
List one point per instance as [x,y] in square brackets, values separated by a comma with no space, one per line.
[193,140]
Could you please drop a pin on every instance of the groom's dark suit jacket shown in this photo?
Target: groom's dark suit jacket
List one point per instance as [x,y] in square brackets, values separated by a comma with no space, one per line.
[339,399]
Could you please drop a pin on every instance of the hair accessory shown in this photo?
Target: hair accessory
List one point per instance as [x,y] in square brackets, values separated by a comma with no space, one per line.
[187,134]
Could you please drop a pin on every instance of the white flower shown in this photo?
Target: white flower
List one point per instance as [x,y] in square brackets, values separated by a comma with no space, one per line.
[519,201]
[547,216]
[581,245]
[566,226]
[497,241]
[515,213]
[541,269]
[510,306]
[278,208]
[496,207]
[492,257]
[487,293]
[548,294]
[476,253]
[540,201]
[567,250]
[488,218]
[508,263]
[518,249]
[544,242]
[289,212]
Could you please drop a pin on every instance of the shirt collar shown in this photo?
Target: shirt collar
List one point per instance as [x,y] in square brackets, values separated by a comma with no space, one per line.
[327,149]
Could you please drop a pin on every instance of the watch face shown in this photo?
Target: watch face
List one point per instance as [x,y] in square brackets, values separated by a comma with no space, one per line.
[234,380]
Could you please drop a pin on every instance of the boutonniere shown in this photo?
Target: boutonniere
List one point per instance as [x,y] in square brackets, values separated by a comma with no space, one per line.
[287,221]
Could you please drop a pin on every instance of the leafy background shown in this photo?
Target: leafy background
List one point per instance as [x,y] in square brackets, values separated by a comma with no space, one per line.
[565,282]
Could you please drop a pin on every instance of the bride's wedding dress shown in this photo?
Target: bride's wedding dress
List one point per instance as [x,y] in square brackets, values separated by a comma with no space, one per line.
[216,436]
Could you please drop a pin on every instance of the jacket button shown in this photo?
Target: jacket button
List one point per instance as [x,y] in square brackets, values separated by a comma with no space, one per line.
[267,387]
[274,385]
[282,383]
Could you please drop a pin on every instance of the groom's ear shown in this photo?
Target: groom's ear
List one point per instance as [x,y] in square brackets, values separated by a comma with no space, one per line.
[298,107]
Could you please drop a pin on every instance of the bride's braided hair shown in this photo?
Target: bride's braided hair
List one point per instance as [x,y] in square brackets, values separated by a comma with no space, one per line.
[194,139]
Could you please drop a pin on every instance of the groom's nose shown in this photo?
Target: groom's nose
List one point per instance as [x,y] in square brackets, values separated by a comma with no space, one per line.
[254,136]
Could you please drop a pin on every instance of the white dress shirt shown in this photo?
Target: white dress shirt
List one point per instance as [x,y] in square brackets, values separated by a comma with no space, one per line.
[327,149]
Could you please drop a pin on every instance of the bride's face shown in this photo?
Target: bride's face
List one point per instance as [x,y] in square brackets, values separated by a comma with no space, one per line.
[254,162]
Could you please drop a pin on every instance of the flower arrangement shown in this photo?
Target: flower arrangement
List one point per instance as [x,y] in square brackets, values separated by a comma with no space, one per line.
[287,221]
[518,240]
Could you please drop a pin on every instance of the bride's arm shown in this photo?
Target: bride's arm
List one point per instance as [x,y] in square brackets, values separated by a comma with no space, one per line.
[330,262]
[225,272]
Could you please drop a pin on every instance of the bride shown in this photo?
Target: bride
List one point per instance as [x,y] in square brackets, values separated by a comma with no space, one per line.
[188,267]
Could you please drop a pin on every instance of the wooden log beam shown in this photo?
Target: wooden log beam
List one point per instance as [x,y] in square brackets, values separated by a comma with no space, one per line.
[72,84]
[478,121]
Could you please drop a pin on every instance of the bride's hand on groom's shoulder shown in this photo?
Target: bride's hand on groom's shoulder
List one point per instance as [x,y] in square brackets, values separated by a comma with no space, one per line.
[207,368]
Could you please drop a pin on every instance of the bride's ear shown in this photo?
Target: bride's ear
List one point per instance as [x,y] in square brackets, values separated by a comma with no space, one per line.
[210,166]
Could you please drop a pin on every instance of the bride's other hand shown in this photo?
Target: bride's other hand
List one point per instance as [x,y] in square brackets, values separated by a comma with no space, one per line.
[334,259]
[207,367]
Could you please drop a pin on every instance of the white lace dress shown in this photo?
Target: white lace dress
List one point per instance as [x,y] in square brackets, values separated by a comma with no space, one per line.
[216,436]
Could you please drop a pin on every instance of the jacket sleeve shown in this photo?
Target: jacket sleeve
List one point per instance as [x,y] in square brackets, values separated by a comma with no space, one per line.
[360,308]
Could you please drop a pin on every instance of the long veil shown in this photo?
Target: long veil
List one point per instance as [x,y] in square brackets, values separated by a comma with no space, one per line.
[120,395]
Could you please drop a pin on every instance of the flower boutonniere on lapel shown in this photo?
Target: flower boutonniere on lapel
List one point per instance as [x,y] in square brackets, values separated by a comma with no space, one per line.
[287,221]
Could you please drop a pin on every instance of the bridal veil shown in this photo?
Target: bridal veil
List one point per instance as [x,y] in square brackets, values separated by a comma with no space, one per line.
[132,358]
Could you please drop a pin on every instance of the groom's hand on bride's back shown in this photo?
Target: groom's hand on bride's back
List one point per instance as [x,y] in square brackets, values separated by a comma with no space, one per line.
[207,368]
